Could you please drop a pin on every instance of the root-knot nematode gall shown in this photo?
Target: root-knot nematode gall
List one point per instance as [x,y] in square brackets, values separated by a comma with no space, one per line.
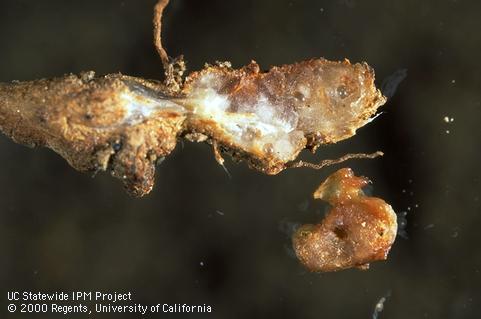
[126,125]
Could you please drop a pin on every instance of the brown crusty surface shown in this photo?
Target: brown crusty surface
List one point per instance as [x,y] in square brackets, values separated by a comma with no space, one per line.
[84,120]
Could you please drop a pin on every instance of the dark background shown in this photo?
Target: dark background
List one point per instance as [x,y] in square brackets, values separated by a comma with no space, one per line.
[202,237]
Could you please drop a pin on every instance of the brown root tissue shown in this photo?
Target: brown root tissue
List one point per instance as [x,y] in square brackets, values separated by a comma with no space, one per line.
[357,229]
[126,125]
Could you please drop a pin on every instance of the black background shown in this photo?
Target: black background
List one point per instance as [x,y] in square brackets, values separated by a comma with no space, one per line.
[202,237]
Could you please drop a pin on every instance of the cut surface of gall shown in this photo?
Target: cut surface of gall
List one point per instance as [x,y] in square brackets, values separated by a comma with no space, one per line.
[274,115]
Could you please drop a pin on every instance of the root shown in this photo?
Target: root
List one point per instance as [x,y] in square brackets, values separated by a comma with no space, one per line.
[158,10]
[356,231]
[174,68]
[218,156]
[329,162]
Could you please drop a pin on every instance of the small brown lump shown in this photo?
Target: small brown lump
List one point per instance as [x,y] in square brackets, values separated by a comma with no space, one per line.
[357,229]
